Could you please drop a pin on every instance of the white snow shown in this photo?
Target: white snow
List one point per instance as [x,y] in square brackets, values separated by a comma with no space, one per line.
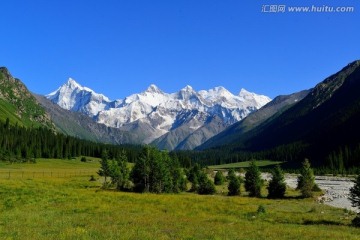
[158,108]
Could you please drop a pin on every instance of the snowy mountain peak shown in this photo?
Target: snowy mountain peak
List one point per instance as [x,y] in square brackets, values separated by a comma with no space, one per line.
[243,92]
[153,89]
[71,83]
[160,112]
[72,96]
[257,100]
[187,88]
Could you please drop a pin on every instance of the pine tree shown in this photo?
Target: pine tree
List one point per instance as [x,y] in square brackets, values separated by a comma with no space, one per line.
[230,174]
[206,186]
[156,172]
[306,180]
[193,177]
[355,199]
[119,171]
[234,183]
[104,167]
[355,193]
[141,171]
[277,185]
[253,182]
[219,178]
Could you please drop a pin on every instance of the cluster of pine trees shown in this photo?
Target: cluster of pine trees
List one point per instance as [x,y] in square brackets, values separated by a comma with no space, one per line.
[157,171]
[153,171]
[19,143]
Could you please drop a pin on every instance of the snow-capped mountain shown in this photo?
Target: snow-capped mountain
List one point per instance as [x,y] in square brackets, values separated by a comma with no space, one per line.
[154,113]
[74,97]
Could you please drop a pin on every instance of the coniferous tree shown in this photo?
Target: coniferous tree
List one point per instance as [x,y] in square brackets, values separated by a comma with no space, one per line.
[178,177]
[193,177]
[219,178]
[104,167]
[206,186]
[355,199]
[277,185]
[306,180]
[355,193]
[119,172]
[141,171]
[234,183]
[230,174]
[155,171]
[253,182]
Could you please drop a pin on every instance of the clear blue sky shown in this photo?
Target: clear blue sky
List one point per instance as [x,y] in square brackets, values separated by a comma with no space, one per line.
[119,47]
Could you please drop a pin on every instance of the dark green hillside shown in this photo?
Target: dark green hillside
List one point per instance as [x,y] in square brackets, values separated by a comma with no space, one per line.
[18,104]
[323,127]
[18,143]
[267,112]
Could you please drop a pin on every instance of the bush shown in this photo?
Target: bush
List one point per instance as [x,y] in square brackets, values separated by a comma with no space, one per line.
[83,159]
[356,221]
[261,210]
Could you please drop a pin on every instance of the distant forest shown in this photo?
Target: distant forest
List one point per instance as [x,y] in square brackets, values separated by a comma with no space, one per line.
[18,144]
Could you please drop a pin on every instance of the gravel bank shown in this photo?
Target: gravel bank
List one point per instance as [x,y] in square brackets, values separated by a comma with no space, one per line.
[336,189]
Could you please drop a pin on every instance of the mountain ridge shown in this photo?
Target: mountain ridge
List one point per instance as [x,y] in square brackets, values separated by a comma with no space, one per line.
[323,126]
[158,113]
[18,105]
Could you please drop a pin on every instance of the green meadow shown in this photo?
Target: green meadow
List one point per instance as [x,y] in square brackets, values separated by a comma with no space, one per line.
[260,163]
[73,207]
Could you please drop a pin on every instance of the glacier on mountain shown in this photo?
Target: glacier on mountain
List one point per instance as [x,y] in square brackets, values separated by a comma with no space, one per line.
[160,111]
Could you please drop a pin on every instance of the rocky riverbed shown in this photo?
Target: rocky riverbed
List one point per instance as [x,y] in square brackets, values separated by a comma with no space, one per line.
[336,190]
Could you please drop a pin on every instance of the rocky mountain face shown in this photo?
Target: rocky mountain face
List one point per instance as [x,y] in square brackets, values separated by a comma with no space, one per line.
[271,110]
[18,104]
[180,120]
[79,125]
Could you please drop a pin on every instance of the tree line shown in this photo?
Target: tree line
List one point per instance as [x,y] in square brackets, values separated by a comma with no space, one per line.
[19,143]
[157,171]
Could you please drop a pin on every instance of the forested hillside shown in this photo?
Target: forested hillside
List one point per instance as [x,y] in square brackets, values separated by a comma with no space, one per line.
[323,126]
[18,143]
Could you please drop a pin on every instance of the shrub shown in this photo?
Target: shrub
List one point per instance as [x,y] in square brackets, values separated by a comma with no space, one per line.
[356,221]
[261,210]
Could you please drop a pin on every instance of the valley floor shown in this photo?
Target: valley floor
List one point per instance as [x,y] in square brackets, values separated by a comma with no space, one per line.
[76,208]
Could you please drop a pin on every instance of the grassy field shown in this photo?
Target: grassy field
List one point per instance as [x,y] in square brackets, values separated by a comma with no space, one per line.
[50,168]
[75,208]
[261,163]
